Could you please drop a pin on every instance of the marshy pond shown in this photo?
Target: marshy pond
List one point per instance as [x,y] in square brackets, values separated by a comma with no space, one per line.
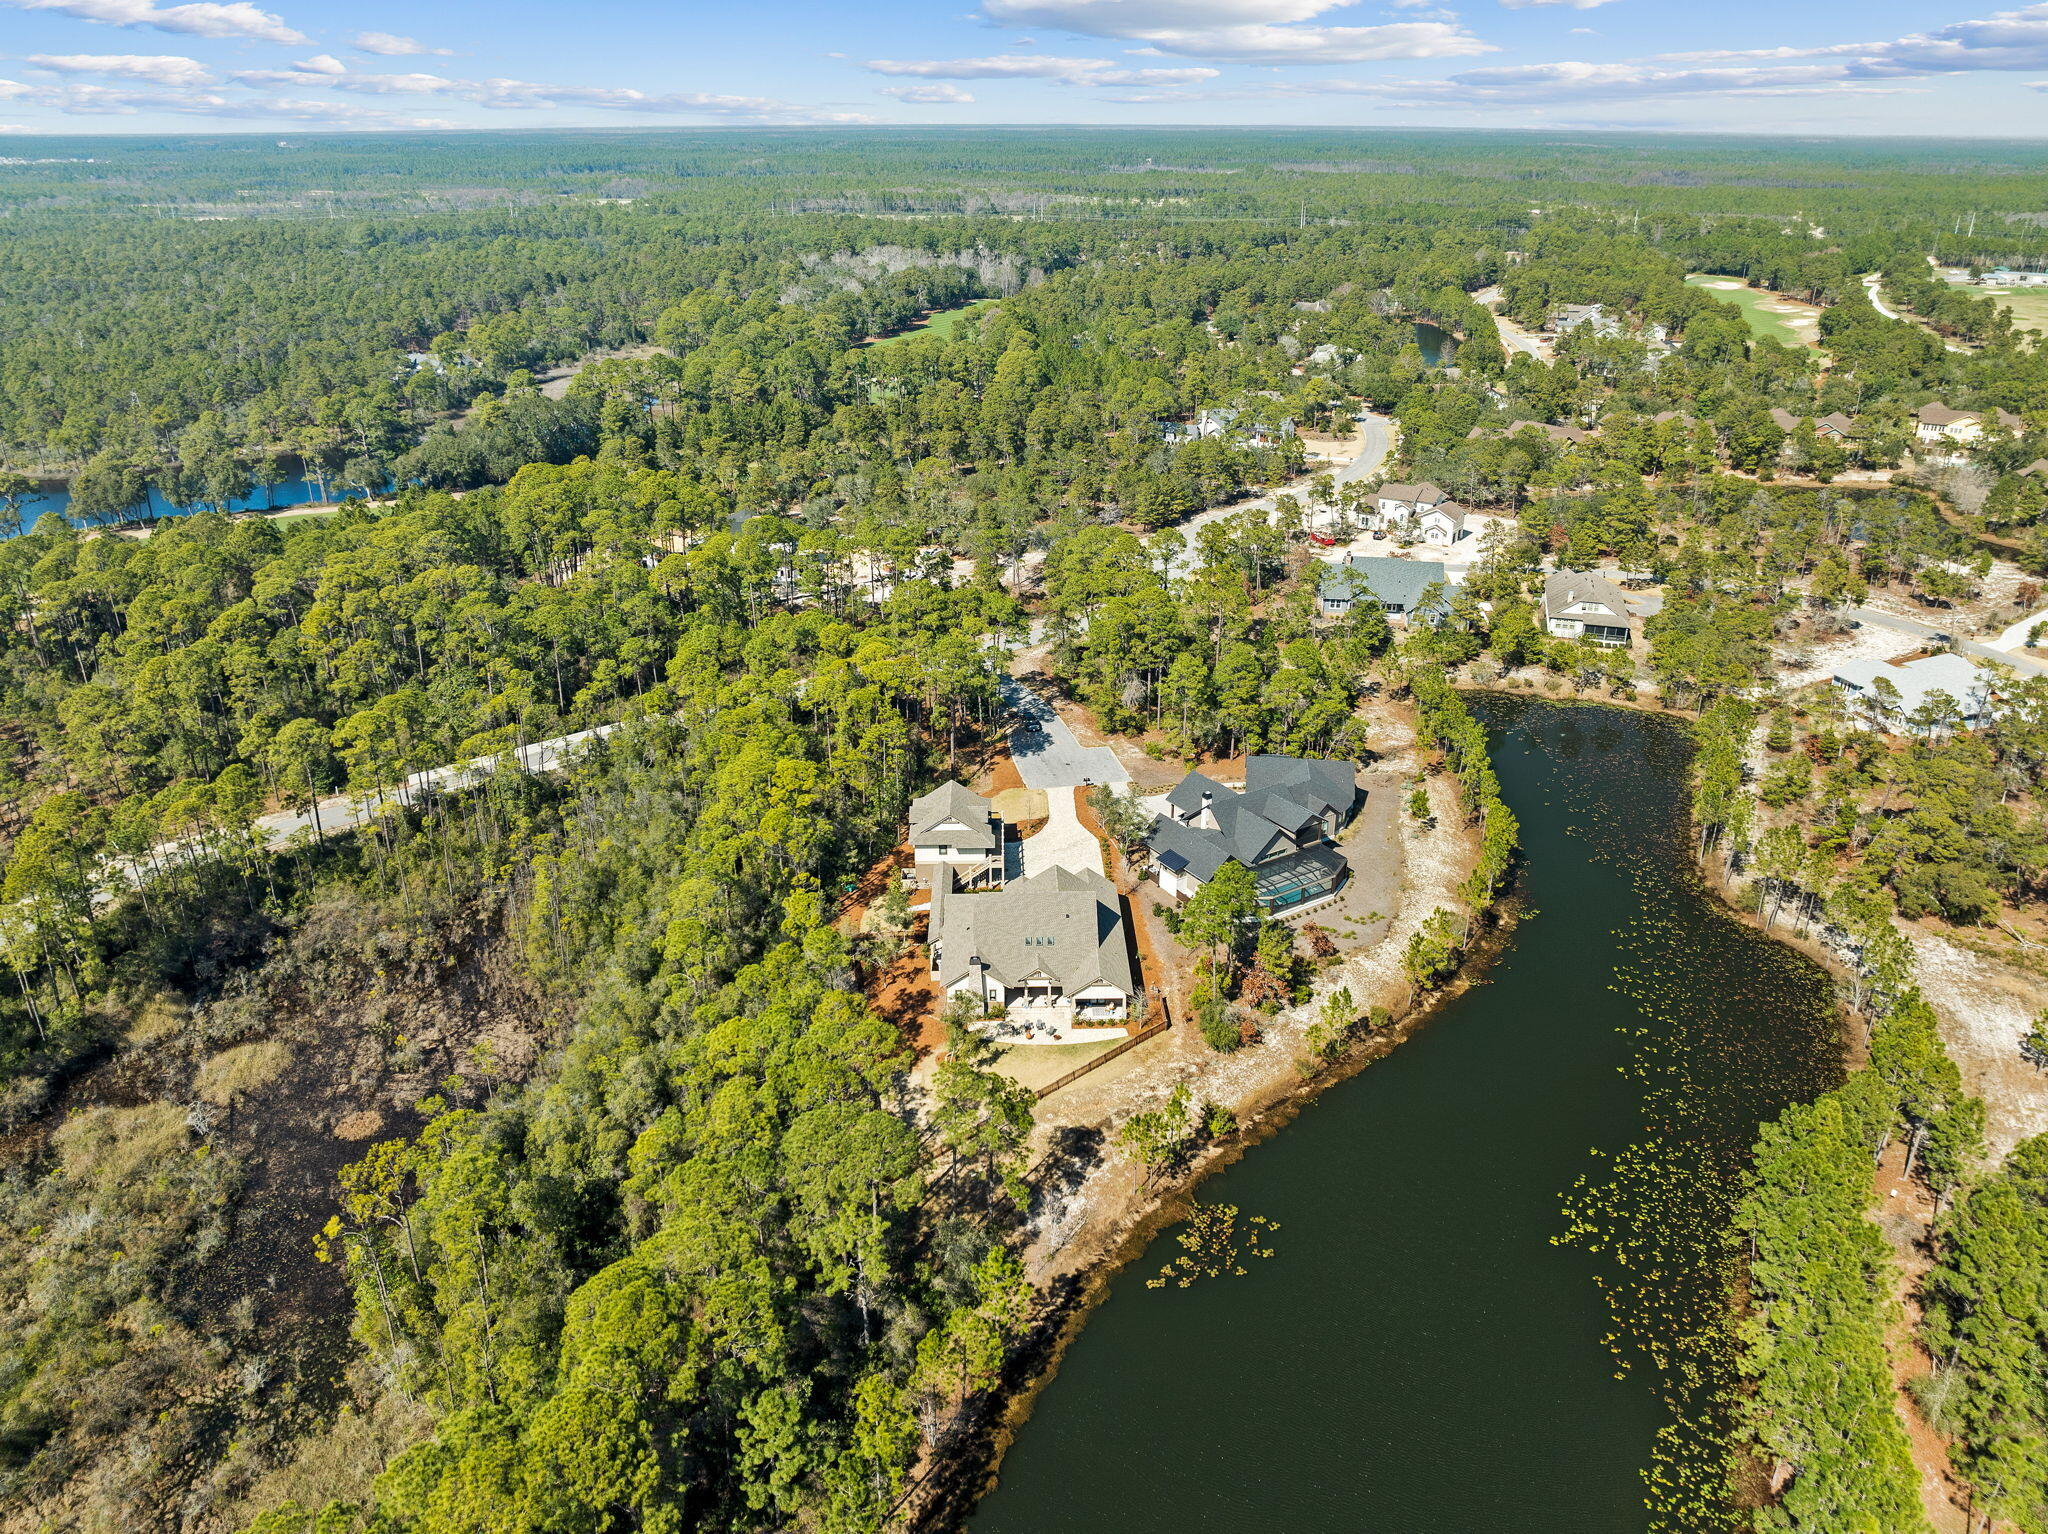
[1492,1297]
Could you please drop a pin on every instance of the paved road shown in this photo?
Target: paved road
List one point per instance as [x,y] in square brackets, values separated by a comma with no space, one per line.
[1870,286]
[1045,750]
[1512,336]
[339,813]
[1870,282]
[1376,441]
[344,812]
[1969,647]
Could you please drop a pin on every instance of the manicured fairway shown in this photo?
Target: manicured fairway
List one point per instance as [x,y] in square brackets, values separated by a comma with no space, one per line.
[1769,314]
[2027,306]
[940,324]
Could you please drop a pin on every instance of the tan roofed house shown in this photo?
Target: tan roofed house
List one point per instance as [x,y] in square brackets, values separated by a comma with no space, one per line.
[1443,523]
[1937,424]
[1578,604]
[1397,502]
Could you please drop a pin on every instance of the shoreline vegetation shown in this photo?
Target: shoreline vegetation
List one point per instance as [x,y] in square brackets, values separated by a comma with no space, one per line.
[1818,1174]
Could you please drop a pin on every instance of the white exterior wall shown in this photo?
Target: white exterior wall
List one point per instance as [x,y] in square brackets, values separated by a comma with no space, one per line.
[1101,997]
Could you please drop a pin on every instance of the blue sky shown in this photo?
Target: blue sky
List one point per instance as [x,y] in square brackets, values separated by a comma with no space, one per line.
[1822,66]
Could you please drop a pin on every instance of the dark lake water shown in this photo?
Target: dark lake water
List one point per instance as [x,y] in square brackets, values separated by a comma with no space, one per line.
[292,492]
[1436,344]
[1420,1356]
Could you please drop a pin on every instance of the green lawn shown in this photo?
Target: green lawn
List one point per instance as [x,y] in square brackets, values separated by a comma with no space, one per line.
[2027,306]
[1040,1065]
[1779,327]
[940,324]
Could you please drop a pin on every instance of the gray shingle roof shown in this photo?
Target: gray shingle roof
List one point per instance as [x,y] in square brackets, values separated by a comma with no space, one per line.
[1063,924]
[952,802]
[1187,849]
[1323,784]
[1397,584]
[1281,795]
[1188,794]
[1566,587]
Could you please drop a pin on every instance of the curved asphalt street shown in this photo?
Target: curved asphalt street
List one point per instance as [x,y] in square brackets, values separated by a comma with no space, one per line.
[1375,442]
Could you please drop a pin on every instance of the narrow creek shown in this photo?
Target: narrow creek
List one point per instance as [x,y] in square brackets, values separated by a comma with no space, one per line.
[1423,1354]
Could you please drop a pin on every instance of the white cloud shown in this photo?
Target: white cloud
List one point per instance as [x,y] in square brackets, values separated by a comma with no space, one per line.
[1536,84]
[202,19]
[1242,31]
[325,72]
[506,95]
[316,74]
[391,45]
[1577,5]
[158,68]
[1032,66]
[927,95]
[1132,18]
[82,100]
[2005,41]
[1321,45]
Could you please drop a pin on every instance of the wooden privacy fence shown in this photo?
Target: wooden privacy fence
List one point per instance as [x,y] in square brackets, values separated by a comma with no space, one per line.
[1150,1030]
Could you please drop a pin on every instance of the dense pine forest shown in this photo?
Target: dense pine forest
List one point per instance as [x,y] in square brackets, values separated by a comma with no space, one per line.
[534,1159]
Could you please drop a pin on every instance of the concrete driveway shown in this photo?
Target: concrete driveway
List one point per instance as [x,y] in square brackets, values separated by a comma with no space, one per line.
[1969,647]
[1045,750]
[1062,842]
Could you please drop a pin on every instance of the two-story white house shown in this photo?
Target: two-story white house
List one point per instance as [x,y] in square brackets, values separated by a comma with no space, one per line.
[1398,505]
[955,839]
[1936,425]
